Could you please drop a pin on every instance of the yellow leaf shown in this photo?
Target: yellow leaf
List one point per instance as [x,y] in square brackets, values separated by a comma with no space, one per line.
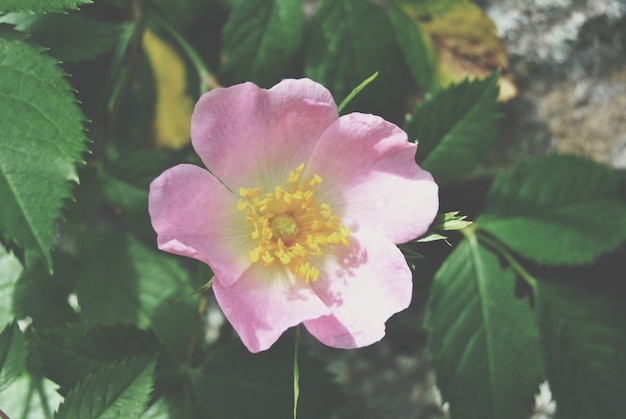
[174,105]
[465,41]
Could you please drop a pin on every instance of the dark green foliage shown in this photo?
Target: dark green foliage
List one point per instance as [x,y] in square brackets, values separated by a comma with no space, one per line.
[10,270]
[349,40]
[129,290]
[418,52]
[12,354]
[483,340]
[70,37]
[260,39]
[584,335]
[30,396]
[40,6]
[43,297]
[559,210]
[239,385]
[455,128]
[126,181]
[172,323]
[185,13]
[69,354]
[125,392]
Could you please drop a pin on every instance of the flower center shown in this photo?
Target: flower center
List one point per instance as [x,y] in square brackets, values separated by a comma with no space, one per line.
[290,226]
[284,227]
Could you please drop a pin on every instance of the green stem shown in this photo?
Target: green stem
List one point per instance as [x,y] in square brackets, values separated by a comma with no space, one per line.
[131,54]
[122,72]
[502,250]
[296,373]
[207,80]
[356,91]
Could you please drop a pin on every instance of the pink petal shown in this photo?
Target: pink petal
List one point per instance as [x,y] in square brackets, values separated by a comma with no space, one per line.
[246,135]
[264,303]
[195,216]
[363,286]
[370,178]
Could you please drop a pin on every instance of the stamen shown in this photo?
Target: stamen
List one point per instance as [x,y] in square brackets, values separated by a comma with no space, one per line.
[290,225]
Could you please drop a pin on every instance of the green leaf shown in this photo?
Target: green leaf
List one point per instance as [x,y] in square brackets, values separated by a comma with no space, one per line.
[131,288]
[30,396]
[557,210]
[260,38]
[41,142]
[416,47]
[10,270]
[350,40]
[584,336]
[445,222]
[456,128]
[451,221]
[71,37]
[69,354]
[40,6]
[12,354]
[483,340]
[119,390]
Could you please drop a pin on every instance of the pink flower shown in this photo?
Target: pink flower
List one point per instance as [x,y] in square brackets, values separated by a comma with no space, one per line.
[298,214]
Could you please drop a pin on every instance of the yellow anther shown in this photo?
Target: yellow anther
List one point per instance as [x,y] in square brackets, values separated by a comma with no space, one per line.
[316,180]
[268,259]
[290,226]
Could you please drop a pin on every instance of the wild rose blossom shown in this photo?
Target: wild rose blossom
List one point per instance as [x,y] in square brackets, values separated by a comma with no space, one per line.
[298,214]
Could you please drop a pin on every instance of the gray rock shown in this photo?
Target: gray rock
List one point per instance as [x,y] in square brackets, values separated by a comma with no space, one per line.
[569,58]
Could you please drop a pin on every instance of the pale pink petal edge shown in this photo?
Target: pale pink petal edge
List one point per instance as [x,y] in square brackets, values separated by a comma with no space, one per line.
[363,288]
[372,179]
[263,303]
[252,137]
[195,216]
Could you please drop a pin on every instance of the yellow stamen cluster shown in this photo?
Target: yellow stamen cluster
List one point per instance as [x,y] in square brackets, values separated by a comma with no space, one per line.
[290,225]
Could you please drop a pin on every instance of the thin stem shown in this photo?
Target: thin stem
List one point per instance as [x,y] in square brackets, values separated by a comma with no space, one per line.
[122,77]
[356,91]
[207,80]
[503,251]
[296,373]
